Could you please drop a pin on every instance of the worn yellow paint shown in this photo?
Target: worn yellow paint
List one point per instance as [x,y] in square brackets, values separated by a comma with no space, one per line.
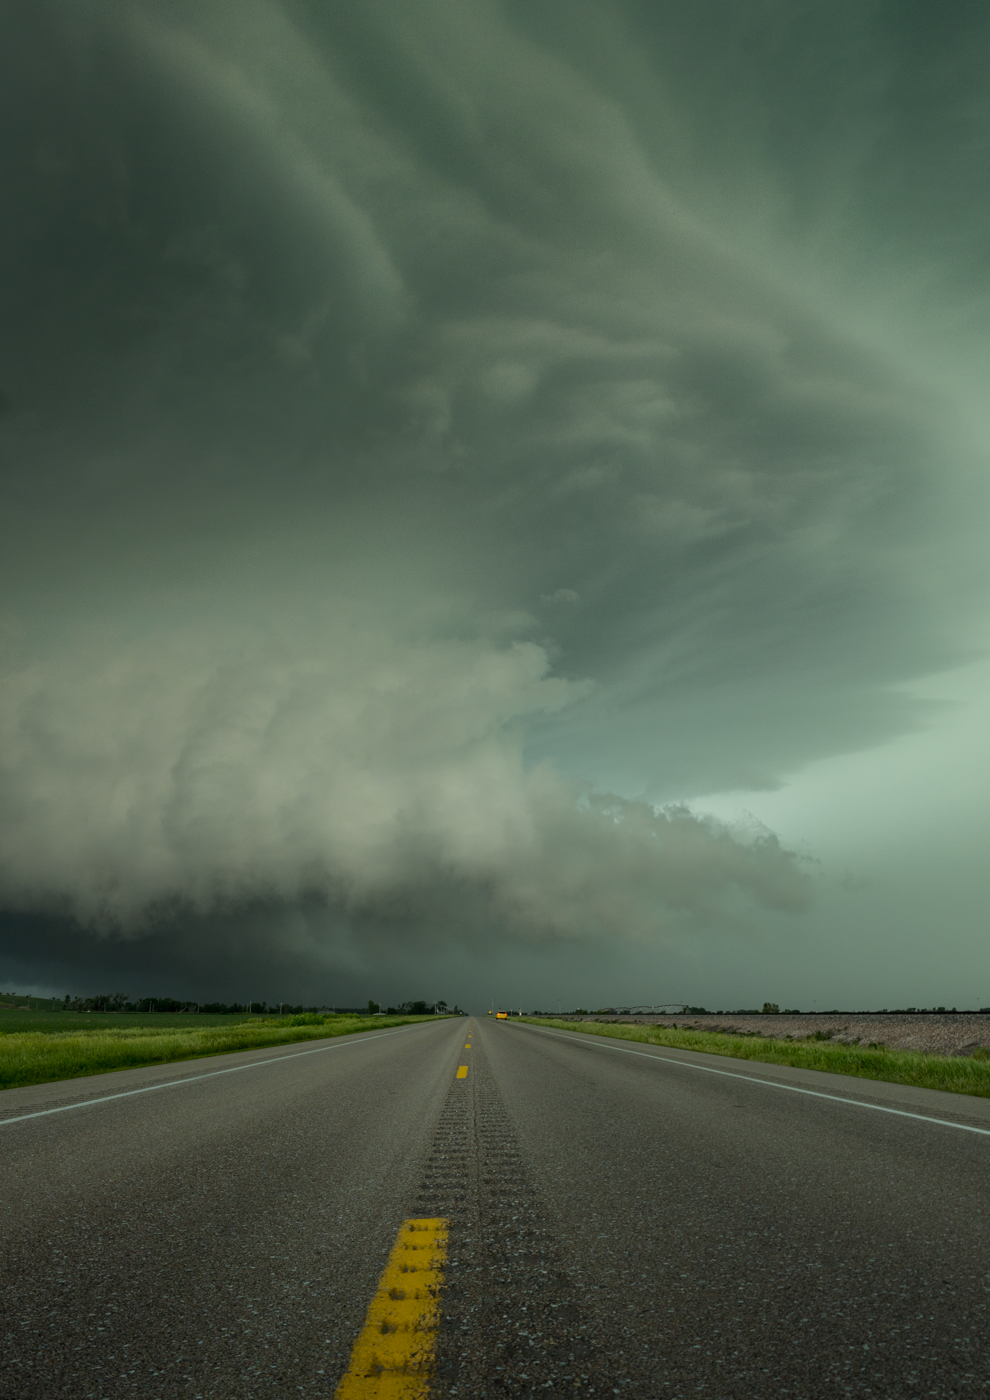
[462,1072]
[393,1356]
[468,1046]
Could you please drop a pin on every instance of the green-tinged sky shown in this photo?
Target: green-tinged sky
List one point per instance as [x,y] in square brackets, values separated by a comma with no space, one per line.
[494,500]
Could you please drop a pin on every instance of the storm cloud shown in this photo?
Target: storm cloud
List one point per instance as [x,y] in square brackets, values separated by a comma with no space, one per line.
[443,442]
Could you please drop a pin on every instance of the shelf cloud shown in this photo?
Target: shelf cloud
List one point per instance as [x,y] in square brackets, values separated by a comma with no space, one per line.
[445,442]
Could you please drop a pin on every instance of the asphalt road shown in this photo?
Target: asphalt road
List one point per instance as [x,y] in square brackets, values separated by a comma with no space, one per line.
[621,1223]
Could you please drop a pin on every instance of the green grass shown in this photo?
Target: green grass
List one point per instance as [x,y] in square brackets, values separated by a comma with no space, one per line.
[957,1074]
[58,1021]
[38,1056]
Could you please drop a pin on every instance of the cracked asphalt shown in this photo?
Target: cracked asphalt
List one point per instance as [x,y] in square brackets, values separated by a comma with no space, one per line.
[620,1224]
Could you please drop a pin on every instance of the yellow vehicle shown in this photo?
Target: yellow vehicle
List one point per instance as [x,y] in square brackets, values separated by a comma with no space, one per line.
[501,1015]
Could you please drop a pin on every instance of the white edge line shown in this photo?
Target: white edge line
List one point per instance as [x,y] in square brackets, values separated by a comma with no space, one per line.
[752,1079]
[192,1078]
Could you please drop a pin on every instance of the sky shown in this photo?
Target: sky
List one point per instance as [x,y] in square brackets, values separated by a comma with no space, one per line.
[494,501]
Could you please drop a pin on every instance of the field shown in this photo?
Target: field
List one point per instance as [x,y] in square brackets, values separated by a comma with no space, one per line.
[53,1046]
[959,1074]
[60,1021]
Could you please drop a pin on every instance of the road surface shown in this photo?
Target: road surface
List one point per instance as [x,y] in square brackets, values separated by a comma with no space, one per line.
[623,1221]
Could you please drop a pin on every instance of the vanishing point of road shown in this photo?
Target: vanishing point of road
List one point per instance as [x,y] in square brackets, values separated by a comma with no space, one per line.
[623,1220]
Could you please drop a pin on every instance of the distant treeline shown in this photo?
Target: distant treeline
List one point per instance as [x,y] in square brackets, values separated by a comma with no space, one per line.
[120,1001]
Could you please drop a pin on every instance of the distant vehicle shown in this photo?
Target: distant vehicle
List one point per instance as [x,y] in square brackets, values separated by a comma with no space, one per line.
[501,1015]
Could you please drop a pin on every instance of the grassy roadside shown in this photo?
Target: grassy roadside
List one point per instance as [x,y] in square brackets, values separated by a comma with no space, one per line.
[957,1074]
[57,1022]
[38,1057]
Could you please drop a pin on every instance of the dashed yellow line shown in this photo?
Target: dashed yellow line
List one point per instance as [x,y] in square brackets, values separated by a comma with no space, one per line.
[462,1071]
[394,1355]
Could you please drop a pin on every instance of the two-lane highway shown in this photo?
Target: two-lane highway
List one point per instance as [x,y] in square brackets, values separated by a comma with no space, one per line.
[737,1238]
[218,1238]
[620,1220]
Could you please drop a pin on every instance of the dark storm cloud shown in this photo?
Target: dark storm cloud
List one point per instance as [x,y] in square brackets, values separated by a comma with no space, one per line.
[414,426]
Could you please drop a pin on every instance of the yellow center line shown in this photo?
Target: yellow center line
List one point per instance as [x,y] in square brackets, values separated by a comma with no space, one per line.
[394,1354]
[462,1072]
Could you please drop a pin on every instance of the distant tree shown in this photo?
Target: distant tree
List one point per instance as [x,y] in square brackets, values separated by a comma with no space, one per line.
[105,1001]
[770,1008]
[373,1007]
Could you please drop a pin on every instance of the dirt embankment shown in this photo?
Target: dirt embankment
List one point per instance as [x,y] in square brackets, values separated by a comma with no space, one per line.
[934,1033]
